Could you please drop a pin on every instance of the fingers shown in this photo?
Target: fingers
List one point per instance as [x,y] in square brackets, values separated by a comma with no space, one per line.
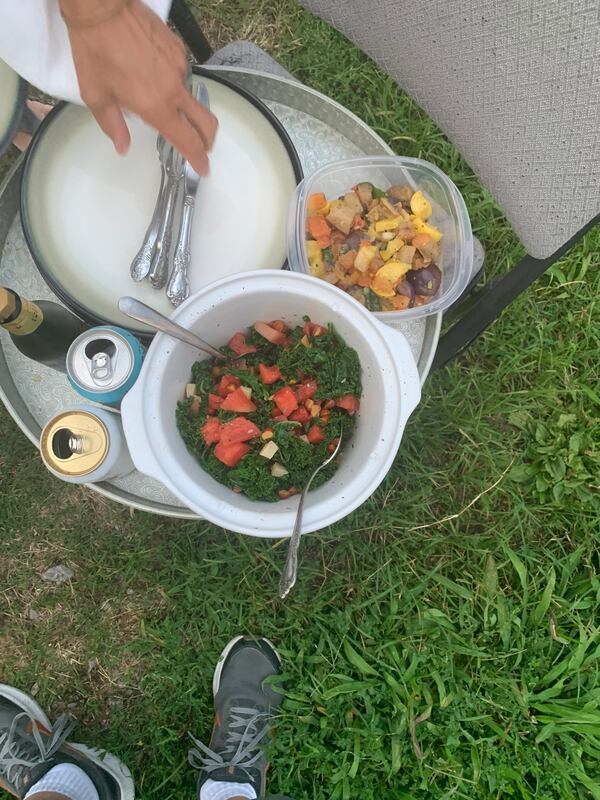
[185,138]
[111,120]
[200,119]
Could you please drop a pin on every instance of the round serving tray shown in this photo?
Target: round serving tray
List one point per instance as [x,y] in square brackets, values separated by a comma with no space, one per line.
[321,130]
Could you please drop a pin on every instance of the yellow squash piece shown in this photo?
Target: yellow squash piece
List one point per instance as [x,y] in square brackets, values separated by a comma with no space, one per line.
[388,277]
[315,259]
[420,206]
[365,255]
[387,224]
[392,247]
[425,227]
[323,211]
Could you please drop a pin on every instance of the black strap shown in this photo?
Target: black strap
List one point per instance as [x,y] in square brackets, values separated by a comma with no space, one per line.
[495,297]
[189,30]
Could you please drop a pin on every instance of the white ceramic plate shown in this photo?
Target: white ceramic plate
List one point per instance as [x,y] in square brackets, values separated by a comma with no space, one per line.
[85,209]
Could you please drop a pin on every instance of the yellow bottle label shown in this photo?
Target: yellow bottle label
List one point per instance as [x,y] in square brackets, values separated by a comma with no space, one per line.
[30,318]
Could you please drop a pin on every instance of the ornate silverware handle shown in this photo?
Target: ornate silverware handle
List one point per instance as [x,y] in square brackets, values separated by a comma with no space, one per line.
[159,270]
[140,266]
[179,285]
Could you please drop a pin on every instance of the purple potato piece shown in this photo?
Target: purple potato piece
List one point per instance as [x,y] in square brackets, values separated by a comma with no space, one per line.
[425,281]
[406,289]
[353,240]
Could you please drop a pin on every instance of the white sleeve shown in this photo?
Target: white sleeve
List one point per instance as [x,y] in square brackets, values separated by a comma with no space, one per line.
[35,43]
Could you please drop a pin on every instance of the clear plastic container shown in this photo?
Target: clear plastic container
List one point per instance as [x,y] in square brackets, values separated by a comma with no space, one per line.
[449,216]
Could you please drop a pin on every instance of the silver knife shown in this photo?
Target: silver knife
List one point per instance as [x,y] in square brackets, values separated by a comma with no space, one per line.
[179,285]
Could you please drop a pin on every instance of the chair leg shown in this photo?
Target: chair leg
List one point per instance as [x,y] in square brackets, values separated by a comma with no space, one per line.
[489,303]
[189,30]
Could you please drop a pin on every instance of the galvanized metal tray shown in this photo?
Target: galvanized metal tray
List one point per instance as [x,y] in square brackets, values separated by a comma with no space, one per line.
[322,131]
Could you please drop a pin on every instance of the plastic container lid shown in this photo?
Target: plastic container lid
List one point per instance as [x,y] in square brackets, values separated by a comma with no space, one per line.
[449,216]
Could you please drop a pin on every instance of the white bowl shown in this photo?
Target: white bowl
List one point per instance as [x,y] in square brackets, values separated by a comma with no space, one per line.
[391,391]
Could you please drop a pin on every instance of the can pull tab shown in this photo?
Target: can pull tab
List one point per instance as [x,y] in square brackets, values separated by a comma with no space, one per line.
[101,368]
[101,354]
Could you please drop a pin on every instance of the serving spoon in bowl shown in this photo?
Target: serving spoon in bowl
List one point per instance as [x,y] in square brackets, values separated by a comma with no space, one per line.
[290,571]
[139,311]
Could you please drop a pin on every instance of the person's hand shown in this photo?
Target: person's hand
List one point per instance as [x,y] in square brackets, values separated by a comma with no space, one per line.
[131,61]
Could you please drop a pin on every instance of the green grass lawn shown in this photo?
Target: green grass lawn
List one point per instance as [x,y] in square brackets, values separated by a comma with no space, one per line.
[443,641]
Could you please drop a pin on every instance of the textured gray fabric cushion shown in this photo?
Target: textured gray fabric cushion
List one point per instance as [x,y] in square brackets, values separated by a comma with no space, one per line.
[247,55]
[515,84]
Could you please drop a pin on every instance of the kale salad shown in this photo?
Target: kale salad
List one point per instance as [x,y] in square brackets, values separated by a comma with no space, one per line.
[262,423]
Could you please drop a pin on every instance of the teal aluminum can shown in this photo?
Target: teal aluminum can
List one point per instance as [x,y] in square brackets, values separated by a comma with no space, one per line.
[104,363]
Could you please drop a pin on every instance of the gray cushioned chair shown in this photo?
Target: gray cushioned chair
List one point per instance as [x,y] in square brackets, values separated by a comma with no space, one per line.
[514,85]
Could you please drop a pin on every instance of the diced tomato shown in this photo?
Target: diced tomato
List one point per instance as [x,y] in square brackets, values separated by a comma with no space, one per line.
[269,375]
[306,390]
[316,201]
[300,415]
[270,334]
[214,403]
[237,343]
[313,329]
[211,430]
[285,400]
[278,417]
[228,384]
[315,434]
[231,454]
[319,230]
[239,429]
[358,223]
[279,325]
[333,444]
[238,402]
[348,402]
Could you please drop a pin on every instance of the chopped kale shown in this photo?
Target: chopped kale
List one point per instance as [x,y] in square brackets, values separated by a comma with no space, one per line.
[328,361]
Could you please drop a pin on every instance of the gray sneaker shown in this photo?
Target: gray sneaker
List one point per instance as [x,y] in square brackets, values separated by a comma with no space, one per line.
[244,709]
[30,746]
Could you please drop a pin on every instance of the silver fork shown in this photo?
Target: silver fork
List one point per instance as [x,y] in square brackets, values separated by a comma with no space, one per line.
[159,269]
[290,571]
[179,284]
[140,266]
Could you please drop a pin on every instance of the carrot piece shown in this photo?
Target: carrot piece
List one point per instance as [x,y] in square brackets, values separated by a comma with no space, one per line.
[316,201]
[365,280]
[319,230]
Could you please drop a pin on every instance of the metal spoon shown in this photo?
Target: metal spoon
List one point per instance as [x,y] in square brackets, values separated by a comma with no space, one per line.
[140,266]
[154,319]
[290,571]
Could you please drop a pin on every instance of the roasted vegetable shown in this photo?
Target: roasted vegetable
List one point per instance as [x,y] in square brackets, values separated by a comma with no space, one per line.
[373,242]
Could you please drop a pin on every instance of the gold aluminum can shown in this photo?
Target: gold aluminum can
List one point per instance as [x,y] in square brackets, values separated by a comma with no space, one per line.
[74,443]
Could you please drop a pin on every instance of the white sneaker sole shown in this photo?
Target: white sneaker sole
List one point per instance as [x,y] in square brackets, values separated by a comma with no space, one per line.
[228,648]
[111,764]
[25,702]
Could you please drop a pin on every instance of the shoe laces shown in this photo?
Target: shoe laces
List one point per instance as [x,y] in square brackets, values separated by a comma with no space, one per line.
[21,752]
[246,729]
